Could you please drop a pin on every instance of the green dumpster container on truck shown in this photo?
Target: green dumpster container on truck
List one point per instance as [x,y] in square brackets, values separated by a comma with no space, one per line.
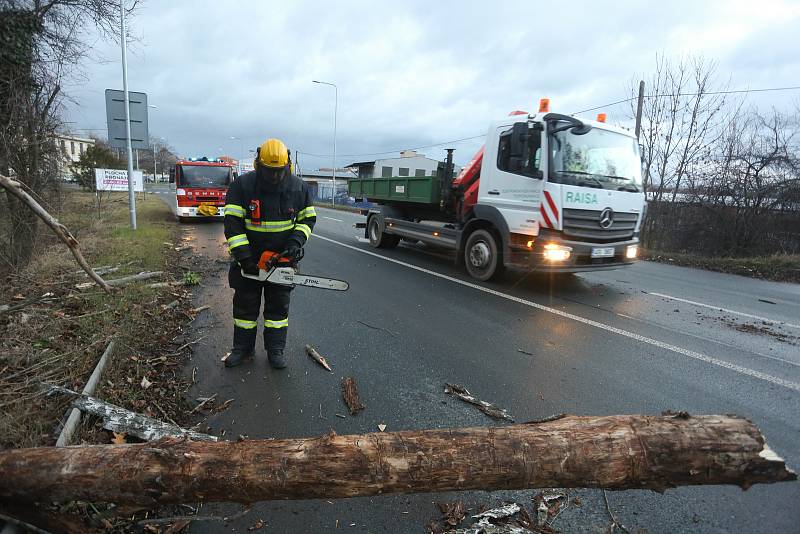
[412,189]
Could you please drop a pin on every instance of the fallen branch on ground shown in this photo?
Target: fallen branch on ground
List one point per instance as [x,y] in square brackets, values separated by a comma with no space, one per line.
[317,357]
[203,402]
[118,419]
[488,408]
[613,452]
[350,394]
[124,280]
[8,308]
[15,188]
[134,278]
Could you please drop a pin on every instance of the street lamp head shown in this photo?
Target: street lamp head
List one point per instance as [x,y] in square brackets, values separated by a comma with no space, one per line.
[152,106]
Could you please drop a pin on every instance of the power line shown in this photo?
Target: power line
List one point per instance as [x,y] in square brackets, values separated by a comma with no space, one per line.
[673,95]
[624,100]
[392,151]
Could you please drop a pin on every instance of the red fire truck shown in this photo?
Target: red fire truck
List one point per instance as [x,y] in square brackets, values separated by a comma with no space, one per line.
[200,186]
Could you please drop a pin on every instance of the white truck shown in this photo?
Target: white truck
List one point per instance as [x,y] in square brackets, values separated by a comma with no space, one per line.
[547,192]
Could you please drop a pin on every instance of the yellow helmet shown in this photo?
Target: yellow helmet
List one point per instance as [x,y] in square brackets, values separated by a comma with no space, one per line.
[273,153]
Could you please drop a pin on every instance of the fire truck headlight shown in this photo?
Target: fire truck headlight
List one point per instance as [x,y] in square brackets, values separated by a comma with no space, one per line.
[632,251]
[181,192]
[554,252]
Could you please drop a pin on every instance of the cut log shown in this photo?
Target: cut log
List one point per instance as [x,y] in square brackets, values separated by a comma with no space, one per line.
[616,452]
[15,188]
[118,419]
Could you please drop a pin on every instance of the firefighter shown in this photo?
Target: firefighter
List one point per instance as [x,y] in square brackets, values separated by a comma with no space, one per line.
[267,209]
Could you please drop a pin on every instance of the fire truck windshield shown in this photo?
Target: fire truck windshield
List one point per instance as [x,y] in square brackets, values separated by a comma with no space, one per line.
[599,158]
[204,176]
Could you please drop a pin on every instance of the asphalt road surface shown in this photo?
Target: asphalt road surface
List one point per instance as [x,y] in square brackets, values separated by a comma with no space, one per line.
[644,339]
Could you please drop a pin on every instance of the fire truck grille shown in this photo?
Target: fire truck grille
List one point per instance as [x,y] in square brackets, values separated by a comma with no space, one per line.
[208,199]
[584,225]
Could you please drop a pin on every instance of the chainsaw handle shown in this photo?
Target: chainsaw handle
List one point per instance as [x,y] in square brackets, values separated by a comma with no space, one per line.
[299,256]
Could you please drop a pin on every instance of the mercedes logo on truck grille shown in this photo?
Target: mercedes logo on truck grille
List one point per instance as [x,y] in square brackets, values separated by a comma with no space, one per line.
[606,218]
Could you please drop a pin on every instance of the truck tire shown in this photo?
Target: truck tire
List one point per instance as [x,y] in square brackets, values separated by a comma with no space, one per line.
[482,255]
[377,237]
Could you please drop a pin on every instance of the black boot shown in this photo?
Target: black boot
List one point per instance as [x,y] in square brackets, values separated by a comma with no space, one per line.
[276,358]
[237,356]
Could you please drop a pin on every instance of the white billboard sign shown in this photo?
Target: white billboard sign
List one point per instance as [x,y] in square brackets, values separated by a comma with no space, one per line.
[117,180]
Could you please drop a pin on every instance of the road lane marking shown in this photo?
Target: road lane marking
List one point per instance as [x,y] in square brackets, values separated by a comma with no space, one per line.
[332,219]
[726,310]
[608,328]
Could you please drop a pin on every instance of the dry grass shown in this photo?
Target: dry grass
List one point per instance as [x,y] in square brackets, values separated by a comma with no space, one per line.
[778,267]
[60,340]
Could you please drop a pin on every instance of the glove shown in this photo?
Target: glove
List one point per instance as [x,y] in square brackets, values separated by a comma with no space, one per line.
[249,266]
[293,250]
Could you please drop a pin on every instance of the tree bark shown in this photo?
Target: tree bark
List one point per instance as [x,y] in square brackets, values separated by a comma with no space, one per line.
[14,188]
[617,452]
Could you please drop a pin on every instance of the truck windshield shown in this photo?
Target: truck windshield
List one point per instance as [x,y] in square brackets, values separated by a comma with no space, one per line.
[600,158]
[204,176]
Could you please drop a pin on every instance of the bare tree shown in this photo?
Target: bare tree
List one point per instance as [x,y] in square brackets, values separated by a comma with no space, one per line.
[749,187]
[42,44]
[680,117]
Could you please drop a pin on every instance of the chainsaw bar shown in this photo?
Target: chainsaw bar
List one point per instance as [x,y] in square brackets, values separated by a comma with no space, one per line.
[286,276]
[322,283]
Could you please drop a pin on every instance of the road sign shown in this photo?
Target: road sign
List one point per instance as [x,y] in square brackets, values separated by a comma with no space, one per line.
[115,116]
[117,180]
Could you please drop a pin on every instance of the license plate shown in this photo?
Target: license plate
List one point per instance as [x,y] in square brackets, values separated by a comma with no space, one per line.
[603,252]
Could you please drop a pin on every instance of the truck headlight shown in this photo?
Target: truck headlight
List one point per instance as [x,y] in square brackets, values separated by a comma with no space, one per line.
[554,252]
[632,251]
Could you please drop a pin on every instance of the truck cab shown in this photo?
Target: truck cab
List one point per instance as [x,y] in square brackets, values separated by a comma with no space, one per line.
[572,186]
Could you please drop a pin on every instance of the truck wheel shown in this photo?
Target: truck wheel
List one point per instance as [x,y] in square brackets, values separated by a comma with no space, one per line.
[482,255]
[377,238]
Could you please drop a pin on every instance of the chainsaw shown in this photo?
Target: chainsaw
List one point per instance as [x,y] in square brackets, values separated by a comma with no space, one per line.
[274,268]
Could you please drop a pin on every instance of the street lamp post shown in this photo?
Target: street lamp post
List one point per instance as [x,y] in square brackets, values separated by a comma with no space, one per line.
[124,45]
[335,111]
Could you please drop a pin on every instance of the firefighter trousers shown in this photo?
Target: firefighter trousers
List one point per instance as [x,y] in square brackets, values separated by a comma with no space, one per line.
[247,304]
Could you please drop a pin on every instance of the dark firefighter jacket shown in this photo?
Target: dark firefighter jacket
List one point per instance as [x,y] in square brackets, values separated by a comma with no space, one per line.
[260,216]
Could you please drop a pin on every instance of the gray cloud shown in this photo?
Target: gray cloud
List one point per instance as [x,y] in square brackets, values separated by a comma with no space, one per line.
[412,73]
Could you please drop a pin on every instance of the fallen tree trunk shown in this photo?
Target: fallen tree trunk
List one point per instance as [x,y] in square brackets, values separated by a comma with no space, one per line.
[15,188]
[618,452]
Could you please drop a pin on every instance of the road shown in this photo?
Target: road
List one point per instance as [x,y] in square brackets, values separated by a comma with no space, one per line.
[646,339]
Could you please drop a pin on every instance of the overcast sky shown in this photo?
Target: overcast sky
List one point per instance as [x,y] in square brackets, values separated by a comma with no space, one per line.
[413,73]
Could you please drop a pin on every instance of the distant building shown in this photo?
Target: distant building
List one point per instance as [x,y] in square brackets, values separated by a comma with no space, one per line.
[410,163]
[71,148]
[320,181]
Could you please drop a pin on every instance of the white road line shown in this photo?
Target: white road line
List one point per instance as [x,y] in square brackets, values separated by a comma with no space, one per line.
[608,328]
[726,310]
[332,219]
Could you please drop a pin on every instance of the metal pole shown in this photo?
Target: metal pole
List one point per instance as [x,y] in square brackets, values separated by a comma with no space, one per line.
[335,112]
[639,109]
[131,195]
[154,164]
